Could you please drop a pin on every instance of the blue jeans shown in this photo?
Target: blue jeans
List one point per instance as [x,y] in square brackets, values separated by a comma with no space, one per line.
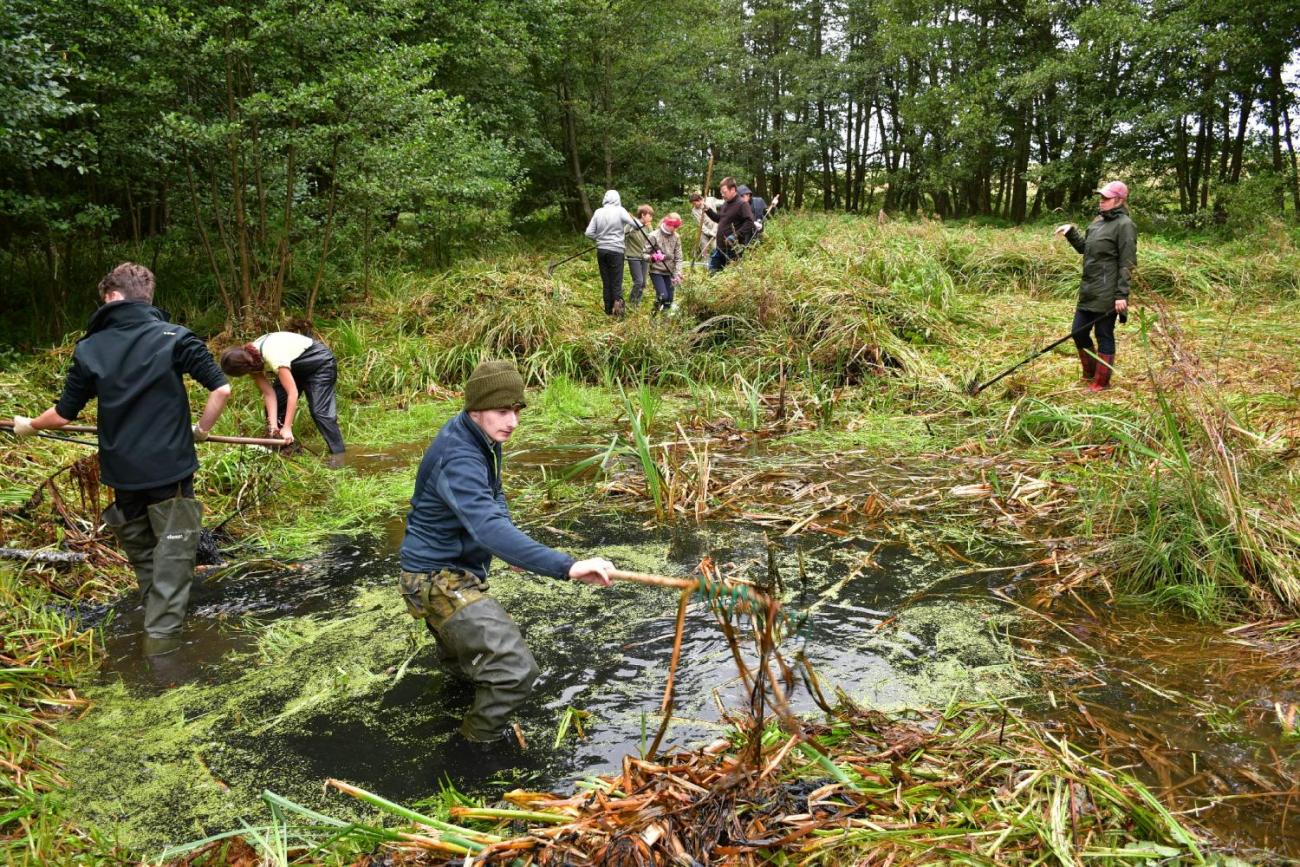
[663,284]
[719,259]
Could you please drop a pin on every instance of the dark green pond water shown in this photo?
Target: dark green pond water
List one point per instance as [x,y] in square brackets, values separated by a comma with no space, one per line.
[291,677]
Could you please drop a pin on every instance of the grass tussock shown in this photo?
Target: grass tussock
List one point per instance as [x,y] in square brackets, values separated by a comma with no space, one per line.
[1195,525]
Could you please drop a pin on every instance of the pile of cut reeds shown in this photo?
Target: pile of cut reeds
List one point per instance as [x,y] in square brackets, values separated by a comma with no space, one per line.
[971,783]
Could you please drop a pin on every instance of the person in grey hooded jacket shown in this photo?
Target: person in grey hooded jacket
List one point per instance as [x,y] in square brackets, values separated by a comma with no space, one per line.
[606,230]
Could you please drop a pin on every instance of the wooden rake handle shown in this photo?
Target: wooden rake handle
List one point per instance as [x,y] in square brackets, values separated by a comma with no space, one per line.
[756,597]
[654,580]
[212,438]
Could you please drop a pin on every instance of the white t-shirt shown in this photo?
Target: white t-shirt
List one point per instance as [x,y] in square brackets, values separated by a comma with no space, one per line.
[281,348]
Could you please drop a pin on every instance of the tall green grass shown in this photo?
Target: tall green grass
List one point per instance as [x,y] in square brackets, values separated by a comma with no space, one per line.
[1186,510]
[44,654]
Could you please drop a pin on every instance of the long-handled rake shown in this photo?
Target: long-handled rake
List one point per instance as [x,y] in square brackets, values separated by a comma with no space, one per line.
[974,387]
[8,424]
[550,269]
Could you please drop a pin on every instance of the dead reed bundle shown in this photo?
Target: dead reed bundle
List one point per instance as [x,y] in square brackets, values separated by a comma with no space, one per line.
[969,783]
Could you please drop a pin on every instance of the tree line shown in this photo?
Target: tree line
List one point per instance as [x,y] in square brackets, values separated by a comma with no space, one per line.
[279,149]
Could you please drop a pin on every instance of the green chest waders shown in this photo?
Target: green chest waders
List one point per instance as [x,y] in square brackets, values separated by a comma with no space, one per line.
[161,545]
[477,640]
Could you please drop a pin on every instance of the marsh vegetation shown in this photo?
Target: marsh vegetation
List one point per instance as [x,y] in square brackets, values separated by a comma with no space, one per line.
[803,421]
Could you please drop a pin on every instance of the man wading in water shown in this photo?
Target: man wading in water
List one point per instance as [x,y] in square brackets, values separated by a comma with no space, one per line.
[457,523]
[132,359]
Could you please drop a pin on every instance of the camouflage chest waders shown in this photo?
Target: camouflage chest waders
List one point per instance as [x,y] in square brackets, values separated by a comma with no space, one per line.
[476,640]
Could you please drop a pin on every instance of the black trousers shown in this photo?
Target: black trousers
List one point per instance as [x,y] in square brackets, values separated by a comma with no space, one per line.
[135,504]
[611,276]
[1104,328]
[315,372]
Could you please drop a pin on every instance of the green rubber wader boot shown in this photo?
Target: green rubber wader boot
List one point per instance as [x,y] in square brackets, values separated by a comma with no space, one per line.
[138,541]
[160,646]
[489,649]
[177,523]
[476,639]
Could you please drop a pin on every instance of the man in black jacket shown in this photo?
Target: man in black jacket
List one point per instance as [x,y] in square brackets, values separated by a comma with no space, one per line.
[132,360]
[735,226]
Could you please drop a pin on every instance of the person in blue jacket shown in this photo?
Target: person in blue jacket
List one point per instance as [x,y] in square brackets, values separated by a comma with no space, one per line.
[458,522]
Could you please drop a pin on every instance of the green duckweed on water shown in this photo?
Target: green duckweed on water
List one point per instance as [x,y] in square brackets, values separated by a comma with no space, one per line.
[354,691]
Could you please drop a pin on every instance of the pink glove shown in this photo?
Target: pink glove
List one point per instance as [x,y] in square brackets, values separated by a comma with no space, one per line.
[657,256]
[677,279]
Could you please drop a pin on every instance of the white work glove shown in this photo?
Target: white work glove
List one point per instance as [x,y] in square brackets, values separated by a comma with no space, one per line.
[1063,229]
[200,435]
[23,427]
[758,224]
[593,571]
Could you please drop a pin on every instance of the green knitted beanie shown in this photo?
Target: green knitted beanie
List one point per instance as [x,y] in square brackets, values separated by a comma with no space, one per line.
[494,385]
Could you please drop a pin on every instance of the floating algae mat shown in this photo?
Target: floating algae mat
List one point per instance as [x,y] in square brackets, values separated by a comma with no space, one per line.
[294,678]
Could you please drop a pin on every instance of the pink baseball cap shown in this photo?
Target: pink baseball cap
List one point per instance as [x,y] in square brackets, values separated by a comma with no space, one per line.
[1113,190]
[672,222]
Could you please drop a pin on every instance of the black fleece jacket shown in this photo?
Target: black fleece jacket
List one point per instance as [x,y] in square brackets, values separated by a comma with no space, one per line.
[132,359]
[733,218]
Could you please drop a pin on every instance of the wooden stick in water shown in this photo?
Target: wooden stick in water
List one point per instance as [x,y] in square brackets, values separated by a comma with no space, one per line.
[266,442]
[666,706]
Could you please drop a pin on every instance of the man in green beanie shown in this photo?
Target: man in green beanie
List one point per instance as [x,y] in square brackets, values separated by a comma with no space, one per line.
[457,523]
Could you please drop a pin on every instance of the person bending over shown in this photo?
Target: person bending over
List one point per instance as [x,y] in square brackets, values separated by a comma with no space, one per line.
[300,365]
